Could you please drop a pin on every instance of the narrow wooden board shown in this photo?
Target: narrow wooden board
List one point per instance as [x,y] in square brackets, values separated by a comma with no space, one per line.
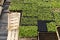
[1,2]
[13,25]
[13,20]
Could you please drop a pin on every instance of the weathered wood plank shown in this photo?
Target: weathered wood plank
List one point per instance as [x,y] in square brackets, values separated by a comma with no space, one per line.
[13,25]
[1,2]
[58,32]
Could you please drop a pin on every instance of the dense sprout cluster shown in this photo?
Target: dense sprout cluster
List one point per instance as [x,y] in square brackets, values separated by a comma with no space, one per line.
[34,10]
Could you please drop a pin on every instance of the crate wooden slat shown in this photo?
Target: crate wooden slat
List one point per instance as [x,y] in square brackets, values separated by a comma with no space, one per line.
[1,2]
[13,25]
[58,32]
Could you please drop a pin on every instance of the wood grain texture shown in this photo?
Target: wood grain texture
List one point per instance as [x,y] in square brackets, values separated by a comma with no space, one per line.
[1,2]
